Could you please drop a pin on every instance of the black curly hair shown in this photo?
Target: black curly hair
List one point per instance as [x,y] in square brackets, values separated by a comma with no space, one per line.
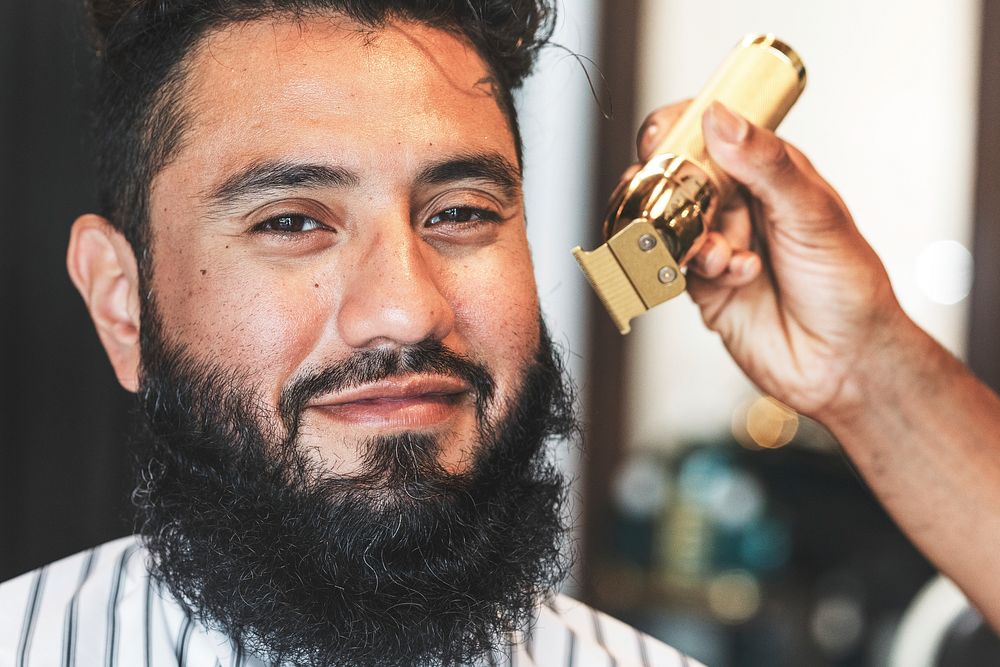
[142,45]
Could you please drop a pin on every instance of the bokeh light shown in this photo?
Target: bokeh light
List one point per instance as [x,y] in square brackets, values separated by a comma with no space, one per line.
[734,499]
[641,487]
[766,544]
[734,596]
[769,423]
[837,624]
[943,271]
[728,495]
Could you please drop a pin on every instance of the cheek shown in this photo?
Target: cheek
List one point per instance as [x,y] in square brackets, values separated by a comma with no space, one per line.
[263,321]
[497,314]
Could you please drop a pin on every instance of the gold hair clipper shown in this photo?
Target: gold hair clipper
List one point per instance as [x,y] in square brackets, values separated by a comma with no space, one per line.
[658,220]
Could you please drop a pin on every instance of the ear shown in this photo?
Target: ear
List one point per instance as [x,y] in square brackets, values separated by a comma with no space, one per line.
[103,267]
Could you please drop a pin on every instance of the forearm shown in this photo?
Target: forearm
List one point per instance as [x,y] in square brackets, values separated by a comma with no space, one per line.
[925,434]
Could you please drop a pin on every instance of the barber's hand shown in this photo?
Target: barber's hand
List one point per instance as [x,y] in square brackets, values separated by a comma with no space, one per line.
[796,293]
[805,308]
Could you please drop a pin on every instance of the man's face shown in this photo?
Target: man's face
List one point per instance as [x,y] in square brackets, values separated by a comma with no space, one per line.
[346,388]
[339,191]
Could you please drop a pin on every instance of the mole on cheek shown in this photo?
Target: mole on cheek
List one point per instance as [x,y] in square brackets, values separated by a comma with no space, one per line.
[204,271]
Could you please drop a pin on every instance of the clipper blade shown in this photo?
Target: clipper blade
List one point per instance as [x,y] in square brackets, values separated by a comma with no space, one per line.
[613,287]
[632,272]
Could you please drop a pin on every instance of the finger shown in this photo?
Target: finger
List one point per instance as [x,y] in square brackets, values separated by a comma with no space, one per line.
[659,121]
[734,223]
[713,257]
[655,126]
[745,266]
[765,165]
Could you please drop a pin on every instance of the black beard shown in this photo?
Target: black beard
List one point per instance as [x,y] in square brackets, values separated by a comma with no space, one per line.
[400,564]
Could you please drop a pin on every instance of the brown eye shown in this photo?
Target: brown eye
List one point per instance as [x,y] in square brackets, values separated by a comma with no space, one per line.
[290,223]
[462,214]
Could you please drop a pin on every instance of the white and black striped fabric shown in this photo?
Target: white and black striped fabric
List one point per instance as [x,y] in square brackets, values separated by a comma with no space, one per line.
[101,608]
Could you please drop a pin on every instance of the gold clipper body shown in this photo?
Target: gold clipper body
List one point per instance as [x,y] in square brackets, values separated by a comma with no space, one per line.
[657,221]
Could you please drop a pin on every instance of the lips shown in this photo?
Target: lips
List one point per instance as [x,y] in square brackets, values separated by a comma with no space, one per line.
[419,400]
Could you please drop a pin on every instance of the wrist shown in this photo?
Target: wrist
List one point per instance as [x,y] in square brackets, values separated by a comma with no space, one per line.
[898,363]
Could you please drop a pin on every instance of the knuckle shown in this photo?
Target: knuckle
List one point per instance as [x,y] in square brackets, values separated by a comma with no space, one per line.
[776,157]
[644,139]
[799,158]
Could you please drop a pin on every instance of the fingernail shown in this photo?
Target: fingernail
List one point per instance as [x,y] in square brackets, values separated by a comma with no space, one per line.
[731,128]
[749,267]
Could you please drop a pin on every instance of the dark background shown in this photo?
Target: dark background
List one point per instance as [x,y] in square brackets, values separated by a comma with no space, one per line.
[64,468]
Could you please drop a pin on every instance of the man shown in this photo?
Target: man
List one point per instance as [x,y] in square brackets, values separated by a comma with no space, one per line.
[313,271]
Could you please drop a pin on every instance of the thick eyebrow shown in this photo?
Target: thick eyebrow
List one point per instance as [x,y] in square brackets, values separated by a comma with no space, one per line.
[271,176]
[277,175]
[493,168]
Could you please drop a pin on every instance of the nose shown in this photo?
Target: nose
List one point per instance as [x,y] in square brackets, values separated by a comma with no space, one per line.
[395,295]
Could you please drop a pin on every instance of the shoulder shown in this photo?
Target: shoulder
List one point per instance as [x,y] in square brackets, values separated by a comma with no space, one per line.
[569,632]
[43,612]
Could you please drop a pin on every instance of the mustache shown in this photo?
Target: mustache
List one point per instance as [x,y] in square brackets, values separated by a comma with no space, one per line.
[386,363]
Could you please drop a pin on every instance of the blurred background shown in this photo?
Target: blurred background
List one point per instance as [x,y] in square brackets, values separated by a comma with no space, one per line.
[707,515]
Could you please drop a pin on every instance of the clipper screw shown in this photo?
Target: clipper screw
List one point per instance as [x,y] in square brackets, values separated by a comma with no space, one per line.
[647,242]
[667,275]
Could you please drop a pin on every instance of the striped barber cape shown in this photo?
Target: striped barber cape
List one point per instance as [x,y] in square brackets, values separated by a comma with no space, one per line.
[101,607]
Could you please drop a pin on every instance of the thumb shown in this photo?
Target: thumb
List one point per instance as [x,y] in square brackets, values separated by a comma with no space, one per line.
[767,167]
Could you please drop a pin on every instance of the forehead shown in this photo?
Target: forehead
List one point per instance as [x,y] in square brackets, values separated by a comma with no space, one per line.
[326,87]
